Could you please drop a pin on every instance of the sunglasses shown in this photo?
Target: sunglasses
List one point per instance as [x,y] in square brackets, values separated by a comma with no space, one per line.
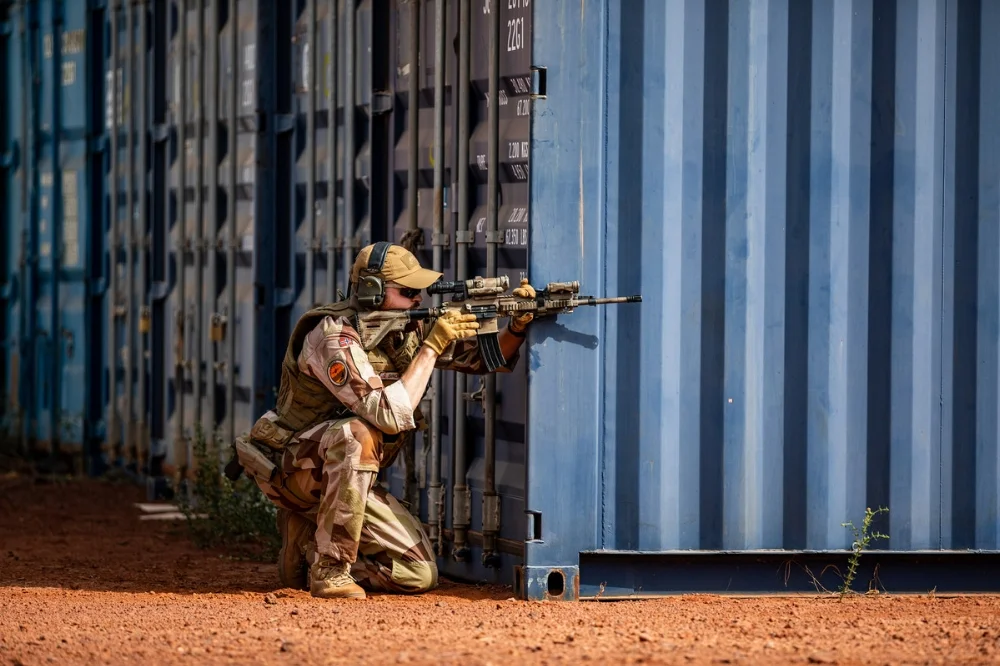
[407,292]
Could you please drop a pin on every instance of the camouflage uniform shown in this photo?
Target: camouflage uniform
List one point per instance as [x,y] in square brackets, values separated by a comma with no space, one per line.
[342,416]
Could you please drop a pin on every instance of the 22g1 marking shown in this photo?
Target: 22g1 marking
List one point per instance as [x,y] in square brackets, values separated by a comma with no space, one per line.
[515,34]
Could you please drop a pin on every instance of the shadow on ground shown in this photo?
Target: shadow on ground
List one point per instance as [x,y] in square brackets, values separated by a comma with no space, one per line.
[85,534]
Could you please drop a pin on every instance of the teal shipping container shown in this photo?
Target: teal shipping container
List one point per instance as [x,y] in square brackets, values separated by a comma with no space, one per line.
[51,254]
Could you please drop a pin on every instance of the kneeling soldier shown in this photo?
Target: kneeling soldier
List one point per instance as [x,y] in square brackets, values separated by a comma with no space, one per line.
[342,414]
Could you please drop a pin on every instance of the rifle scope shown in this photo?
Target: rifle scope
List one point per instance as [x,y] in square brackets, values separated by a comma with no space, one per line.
[477,286]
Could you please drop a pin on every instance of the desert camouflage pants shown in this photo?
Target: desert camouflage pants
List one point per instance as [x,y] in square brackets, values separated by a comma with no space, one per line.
[328,474]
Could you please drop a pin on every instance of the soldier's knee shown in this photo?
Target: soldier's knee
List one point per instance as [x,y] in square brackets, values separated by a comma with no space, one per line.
[415,577]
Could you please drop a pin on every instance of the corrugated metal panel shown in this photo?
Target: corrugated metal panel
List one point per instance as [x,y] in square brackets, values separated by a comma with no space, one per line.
[324,237]
[9,201]
[47,343]
[126,111]
[804,192]
[228,243]
[806,195]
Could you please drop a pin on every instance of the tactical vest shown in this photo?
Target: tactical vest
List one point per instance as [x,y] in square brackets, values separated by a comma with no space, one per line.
[304,401]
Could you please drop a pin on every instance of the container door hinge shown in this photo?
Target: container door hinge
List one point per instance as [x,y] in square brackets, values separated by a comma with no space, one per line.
[538,82]
[283,298]
[160,133]
[284,122]
[99,143]
[97,5]
[11,158]
[159,291]
[491,513]
[381,102]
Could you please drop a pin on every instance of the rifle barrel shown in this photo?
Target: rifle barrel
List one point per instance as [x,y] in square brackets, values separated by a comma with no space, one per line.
[614,299]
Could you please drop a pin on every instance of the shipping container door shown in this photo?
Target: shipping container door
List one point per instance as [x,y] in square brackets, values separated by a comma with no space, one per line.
[204,291]
[125,193]
[479,524]
[372,170]
[806,195]
[47,231]
[12,198]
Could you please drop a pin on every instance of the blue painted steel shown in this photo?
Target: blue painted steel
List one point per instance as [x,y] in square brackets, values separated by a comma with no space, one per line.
[636,574]
[805,194]
[10,203]
[48,336]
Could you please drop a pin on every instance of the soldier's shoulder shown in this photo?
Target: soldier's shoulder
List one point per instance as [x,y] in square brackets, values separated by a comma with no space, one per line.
[337,326]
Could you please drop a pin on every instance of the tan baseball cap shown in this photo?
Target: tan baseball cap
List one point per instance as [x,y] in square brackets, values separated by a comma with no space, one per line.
[400,267]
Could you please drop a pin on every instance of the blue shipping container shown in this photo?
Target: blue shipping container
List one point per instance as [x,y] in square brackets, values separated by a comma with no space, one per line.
[806,195]
[49,350]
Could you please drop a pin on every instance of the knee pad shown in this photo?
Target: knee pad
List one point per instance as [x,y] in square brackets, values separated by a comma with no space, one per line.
[415,577]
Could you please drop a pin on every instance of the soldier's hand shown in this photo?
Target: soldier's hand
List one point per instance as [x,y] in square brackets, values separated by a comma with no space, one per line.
[451,326]
[520,322]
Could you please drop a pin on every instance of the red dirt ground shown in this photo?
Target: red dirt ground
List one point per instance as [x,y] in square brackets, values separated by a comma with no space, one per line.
[83,580]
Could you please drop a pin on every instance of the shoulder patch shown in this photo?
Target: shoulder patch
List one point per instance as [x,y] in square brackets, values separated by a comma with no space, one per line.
[338,372]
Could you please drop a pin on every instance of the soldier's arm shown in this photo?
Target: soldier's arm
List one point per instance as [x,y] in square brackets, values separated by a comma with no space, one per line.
[332,353]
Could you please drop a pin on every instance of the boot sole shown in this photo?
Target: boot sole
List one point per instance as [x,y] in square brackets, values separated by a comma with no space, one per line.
[335,594]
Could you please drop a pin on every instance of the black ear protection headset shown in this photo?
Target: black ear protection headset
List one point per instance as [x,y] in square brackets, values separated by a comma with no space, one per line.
[371,287]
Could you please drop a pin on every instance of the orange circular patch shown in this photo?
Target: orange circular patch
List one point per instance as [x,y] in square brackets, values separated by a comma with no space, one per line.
[338,373]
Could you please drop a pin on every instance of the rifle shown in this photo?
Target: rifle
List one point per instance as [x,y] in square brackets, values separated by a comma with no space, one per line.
[487,299]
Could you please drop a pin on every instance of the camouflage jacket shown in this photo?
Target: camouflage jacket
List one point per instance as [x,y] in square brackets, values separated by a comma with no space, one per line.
[326,375]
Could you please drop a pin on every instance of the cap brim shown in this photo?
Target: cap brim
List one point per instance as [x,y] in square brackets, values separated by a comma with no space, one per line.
[419,279]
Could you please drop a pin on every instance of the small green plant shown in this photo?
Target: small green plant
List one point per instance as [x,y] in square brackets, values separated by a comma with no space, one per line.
[219,512]
[862,538]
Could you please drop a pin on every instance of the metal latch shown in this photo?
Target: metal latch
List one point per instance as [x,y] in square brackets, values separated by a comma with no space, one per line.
[145,321]
[381,102]
[217,332]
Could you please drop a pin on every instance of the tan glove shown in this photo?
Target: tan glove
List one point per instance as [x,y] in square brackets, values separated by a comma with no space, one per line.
[519,322]
[451,326]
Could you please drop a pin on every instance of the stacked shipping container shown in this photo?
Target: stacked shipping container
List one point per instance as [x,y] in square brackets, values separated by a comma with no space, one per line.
[219,164]
[804,192]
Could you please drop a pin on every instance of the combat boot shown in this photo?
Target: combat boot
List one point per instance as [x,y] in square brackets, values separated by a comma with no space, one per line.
[296,532]
[330,579]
